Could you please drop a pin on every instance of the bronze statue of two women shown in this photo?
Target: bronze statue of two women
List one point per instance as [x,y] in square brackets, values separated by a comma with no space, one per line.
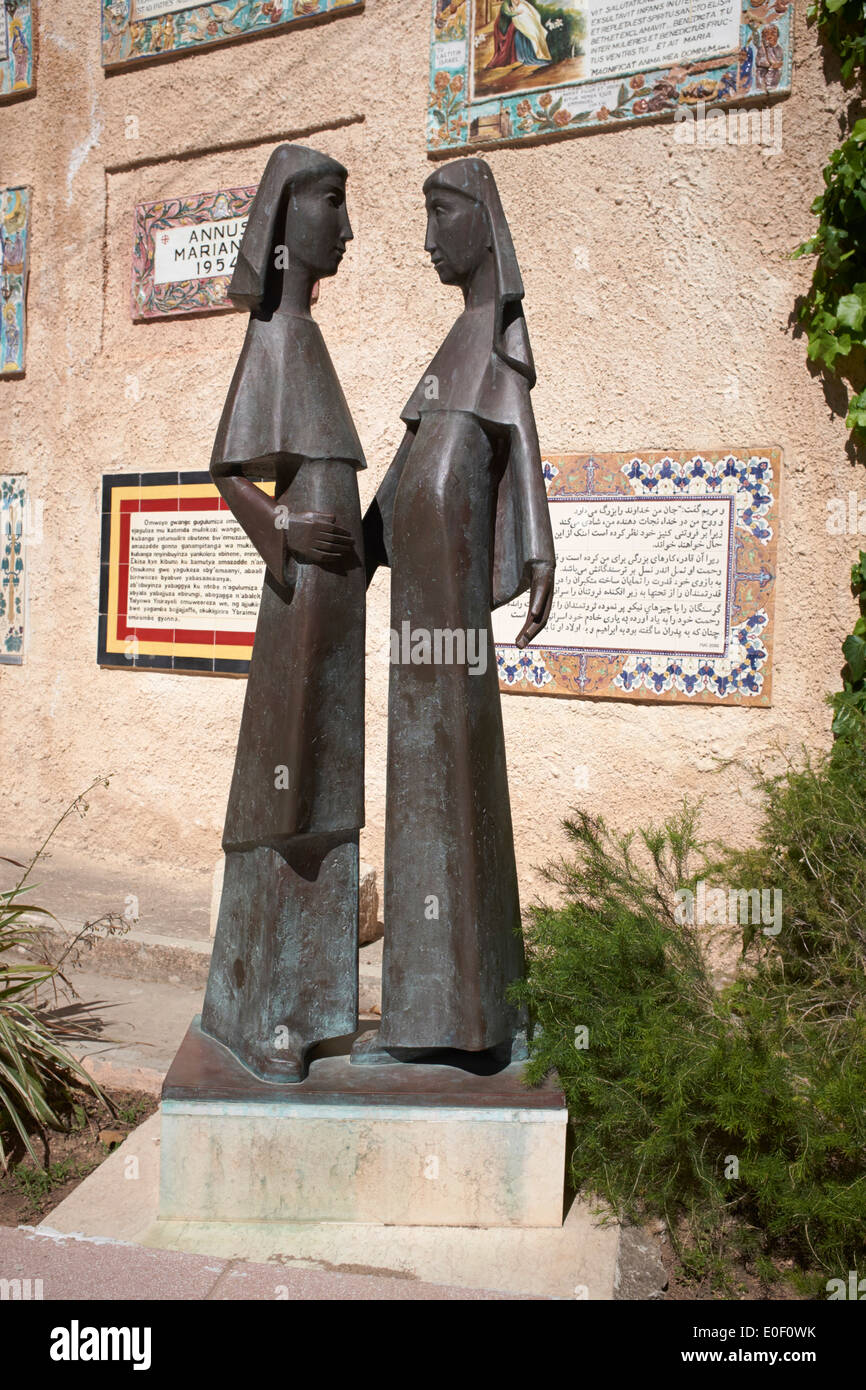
[461,520]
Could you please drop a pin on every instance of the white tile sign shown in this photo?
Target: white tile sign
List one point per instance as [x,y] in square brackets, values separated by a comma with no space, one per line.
[450,55]
[630,35]
[149,9]
[192,570]
[196,251]
[636,574]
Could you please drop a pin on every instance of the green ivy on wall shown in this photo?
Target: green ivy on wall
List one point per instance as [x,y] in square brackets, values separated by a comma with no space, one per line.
[849,703]
[834,310]
[841,24]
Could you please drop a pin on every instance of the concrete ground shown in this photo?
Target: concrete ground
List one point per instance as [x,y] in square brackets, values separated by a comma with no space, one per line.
[141,1024]
[119,1203]
[81,1268]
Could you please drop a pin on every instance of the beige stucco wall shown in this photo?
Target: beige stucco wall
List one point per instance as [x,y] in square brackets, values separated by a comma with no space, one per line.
[658,296]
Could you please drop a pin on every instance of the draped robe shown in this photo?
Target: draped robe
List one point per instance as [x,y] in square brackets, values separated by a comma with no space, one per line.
[460,518]
[285,953]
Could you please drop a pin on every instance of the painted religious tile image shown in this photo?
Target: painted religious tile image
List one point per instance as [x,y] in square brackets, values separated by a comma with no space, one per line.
[14,225]
[137,29]
[665,580]
[179,582]
[184,252]
[13,596]
[17,55]
[511,69]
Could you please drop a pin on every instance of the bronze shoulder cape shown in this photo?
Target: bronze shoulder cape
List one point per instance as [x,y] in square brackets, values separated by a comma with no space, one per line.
[284,401]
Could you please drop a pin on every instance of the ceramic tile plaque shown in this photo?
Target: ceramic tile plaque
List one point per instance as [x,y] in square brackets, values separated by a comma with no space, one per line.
[137,29]
[14,228]
[17,61]
[13,541]
[665,580]
[180,583]
[184,252]
[511,69]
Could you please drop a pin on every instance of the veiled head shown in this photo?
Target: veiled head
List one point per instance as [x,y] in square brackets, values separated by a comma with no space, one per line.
[317,223]
[458,232]
[298,220]
[465,224]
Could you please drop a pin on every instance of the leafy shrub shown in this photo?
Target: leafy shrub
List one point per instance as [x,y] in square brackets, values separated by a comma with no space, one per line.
[736,1114]
[37,1072]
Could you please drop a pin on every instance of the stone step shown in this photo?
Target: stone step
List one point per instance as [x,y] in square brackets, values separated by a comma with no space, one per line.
[150,958]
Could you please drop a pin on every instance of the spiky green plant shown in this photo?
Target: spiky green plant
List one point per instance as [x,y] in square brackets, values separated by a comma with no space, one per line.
[37,1072]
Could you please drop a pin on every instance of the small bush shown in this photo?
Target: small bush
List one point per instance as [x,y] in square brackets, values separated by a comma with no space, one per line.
[849,703]
[37,1071]
[736,1114]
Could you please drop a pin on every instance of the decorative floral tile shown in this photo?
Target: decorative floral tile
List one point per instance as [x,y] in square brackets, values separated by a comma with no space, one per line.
[678,545]
[14,227]
[507,70]
[13,550]
[137,29]
[17,52]
[184,252]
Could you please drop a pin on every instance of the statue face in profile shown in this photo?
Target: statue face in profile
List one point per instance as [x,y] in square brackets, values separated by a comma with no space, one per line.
[458,236]
[317,225]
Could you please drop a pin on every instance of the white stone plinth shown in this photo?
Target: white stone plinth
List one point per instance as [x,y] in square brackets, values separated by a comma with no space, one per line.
[401,1145]
[399,1165]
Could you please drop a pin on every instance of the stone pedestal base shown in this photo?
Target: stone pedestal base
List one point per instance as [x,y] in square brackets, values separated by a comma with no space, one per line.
[409,1145]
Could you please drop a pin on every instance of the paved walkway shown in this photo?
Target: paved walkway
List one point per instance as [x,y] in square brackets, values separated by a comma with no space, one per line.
[90,1269]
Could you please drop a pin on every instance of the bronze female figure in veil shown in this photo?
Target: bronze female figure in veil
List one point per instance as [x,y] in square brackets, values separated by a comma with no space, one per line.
[462,520]
[284,968]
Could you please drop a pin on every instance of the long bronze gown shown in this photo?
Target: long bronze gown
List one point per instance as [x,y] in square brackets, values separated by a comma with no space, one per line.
[284,967]
[463,515]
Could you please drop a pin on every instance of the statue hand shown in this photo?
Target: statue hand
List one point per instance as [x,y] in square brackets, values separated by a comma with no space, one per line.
[540,599]
[316,537]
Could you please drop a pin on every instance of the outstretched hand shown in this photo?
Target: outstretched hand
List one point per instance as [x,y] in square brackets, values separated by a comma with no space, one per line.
[540,599]
[316,537]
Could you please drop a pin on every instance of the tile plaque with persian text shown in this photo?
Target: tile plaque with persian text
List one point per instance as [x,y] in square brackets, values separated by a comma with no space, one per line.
[665,579]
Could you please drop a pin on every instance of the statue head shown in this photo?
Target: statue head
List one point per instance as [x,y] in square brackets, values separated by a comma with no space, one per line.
[317,224]
[466,229]
[298,221]
[458,233]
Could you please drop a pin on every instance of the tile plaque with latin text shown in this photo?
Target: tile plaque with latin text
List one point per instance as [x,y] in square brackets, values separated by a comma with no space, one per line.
[508,70]
[134,30]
